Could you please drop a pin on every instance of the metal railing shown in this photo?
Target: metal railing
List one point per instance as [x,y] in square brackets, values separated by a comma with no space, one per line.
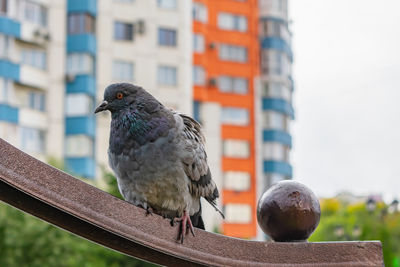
[58,198]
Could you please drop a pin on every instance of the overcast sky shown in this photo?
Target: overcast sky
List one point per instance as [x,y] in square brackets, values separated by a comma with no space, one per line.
[347,96]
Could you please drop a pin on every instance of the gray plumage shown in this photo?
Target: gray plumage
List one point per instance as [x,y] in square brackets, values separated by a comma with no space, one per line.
[157,154]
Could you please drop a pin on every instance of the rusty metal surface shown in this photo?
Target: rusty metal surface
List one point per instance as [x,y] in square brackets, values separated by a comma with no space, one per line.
[69,203]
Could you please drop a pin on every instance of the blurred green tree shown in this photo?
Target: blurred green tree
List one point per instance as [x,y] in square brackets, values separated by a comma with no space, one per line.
[345,222]
[28,241]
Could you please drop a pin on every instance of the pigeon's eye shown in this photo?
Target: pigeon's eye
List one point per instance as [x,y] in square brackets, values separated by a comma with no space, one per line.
[120,95]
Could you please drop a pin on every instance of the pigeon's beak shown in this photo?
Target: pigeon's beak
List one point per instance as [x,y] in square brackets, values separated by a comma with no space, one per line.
[103,106]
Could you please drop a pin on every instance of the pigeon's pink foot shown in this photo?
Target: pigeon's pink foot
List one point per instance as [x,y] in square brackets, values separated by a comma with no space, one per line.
[149,211]
[185,223]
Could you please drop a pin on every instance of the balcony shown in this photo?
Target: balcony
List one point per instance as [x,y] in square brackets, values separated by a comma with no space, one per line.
[83,43]
[277,44]
[8,113]
[278,105]
[280,167]
[277,136]
[10,27]
[80,125]
[9,70]
[82,84]
[87,6]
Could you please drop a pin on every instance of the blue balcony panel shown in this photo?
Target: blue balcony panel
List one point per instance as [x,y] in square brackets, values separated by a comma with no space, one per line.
[88,6]
[84,167]
[277,136]
[9,70]
[279,105]
[275,19]
[280,167]
[80,125]
[278,44]
[8,113]
[83,43]
[82,84]
[10,27]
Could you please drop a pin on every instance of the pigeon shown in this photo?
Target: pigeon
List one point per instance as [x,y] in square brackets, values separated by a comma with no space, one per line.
[158,157]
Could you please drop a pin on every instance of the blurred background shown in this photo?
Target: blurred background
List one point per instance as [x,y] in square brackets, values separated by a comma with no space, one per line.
[302,90]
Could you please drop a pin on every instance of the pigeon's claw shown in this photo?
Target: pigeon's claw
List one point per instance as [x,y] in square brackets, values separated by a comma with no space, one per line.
[149,211]
[185,223]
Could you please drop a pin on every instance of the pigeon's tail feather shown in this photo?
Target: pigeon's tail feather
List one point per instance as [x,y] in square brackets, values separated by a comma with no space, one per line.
[197,220]
[214,204]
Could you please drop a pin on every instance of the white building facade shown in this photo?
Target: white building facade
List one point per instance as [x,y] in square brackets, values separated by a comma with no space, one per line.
[57,57]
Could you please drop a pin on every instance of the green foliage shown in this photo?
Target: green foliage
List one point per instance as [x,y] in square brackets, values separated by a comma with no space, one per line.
[345,222]
[28,241]
[112,185]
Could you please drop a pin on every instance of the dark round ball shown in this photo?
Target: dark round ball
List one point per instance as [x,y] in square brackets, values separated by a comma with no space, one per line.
[288,211]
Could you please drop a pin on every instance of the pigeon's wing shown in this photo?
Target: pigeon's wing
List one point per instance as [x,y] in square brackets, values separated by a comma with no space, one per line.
[194,159]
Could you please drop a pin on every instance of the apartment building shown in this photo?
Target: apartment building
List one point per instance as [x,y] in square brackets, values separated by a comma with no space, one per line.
[32,38]
[243,97]
[227,62]
[58,56]
[276,90]
[225,71]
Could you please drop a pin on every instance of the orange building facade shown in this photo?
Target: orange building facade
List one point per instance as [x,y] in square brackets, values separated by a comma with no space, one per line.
[226,67]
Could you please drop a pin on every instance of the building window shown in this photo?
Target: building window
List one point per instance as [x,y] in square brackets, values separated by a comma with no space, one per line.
[80,23]
[35,13]
[197,111]
[32,140]
[275,62]
[167,75]
[5,91]
[233,53]
[122,70]
[37,101]
[272,28]
[79,63]
[78,105]
[200,12]
[169,4]
[275,120]
[235,116]
[238,213]
[35,58]
[78,146]
[199,75]
[123,31]
[236,181]
[166,37]
[276,90]
[227,21]
[276,151]
[234,85]
[198,43]
[4,46]
[3,6]
[236,148]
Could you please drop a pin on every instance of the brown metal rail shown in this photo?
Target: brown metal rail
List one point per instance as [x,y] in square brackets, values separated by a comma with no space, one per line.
[60,199]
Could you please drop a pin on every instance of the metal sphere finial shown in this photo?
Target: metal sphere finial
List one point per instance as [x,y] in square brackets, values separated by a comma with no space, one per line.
[288,211]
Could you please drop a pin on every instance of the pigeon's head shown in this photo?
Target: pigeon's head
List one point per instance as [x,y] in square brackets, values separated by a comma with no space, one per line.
[119,96]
